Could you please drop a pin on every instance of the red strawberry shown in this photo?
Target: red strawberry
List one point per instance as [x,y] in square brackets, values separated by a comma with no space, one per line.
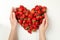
[27,28]
[20,21]
[24,10]
[24,21]
[32,11]
[26,13]
[38,17]
[20,13]
[31,27]
[34,27]
[44,9]
[35,14]
[29,22]
[22,16]
[22,25]
[30,31]
[33,19]
[21,8]
[25,25]
[41,17]
[36,23]
[37,7]
[30,16]
[39,11]
[16,13]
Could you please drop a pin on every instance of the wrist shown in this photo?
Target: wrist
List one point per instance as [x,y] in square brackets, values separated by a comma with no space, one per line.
[13,27]
[42,36]
[42,32]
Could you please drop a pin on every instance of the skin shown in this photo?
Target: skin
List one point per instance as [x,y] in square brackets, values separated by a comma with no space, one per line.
[13,33]
[42,28]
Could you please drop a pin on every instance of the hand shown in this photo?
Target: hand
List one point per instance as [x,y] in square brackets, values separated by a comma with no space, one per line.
[13,19]
[44,24]
[13,33]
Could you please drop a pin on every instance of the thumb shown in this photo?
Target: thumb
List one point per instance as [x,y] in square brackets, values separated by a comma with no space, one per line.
[13,12]
[13,15]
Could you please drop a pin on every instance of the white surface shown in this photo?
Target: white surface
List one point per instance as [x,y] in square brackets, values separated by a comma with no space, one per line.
[53,32]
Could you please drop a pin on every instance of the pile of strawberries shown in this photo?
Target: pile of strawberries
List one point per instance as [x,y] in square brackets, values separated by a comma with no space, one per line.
[30,19]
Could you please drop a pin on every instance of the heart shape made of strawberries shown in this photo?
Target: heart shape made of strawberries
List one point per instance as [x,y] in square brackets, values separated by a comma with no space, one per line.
[30,19]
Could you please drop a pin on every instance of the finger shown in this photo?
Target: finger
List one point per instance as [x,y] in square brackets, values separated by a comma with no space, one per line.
[46,17]
[14,13]
[14,9]
[46,24]
[11,15]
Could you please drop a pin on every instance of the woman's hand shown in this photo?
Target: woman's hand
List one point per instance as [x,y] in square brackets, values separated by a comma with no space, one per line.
[42,28]
[13,34]
[44,24]
[13,19]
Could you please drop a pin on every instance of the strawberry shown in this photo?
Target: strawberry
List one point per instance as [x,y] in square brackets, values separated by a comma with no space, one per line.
[36,23]
[31,27]
[41,17]
[26,13]
[20,13]
[37,17]
[21,8]
[27,28]
[36,7]
[33,19]
[39,12]
[29,16]
[44,9]
[25,25]
[32,11]
[20,21]
[24,10]
[24,21]
[34,28]
[29,22]
[30,31]
[22,16]
[35,14]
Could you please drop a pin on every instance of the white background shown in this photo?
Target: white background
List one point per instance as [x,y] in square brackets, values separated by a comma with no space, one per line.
[53,31]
